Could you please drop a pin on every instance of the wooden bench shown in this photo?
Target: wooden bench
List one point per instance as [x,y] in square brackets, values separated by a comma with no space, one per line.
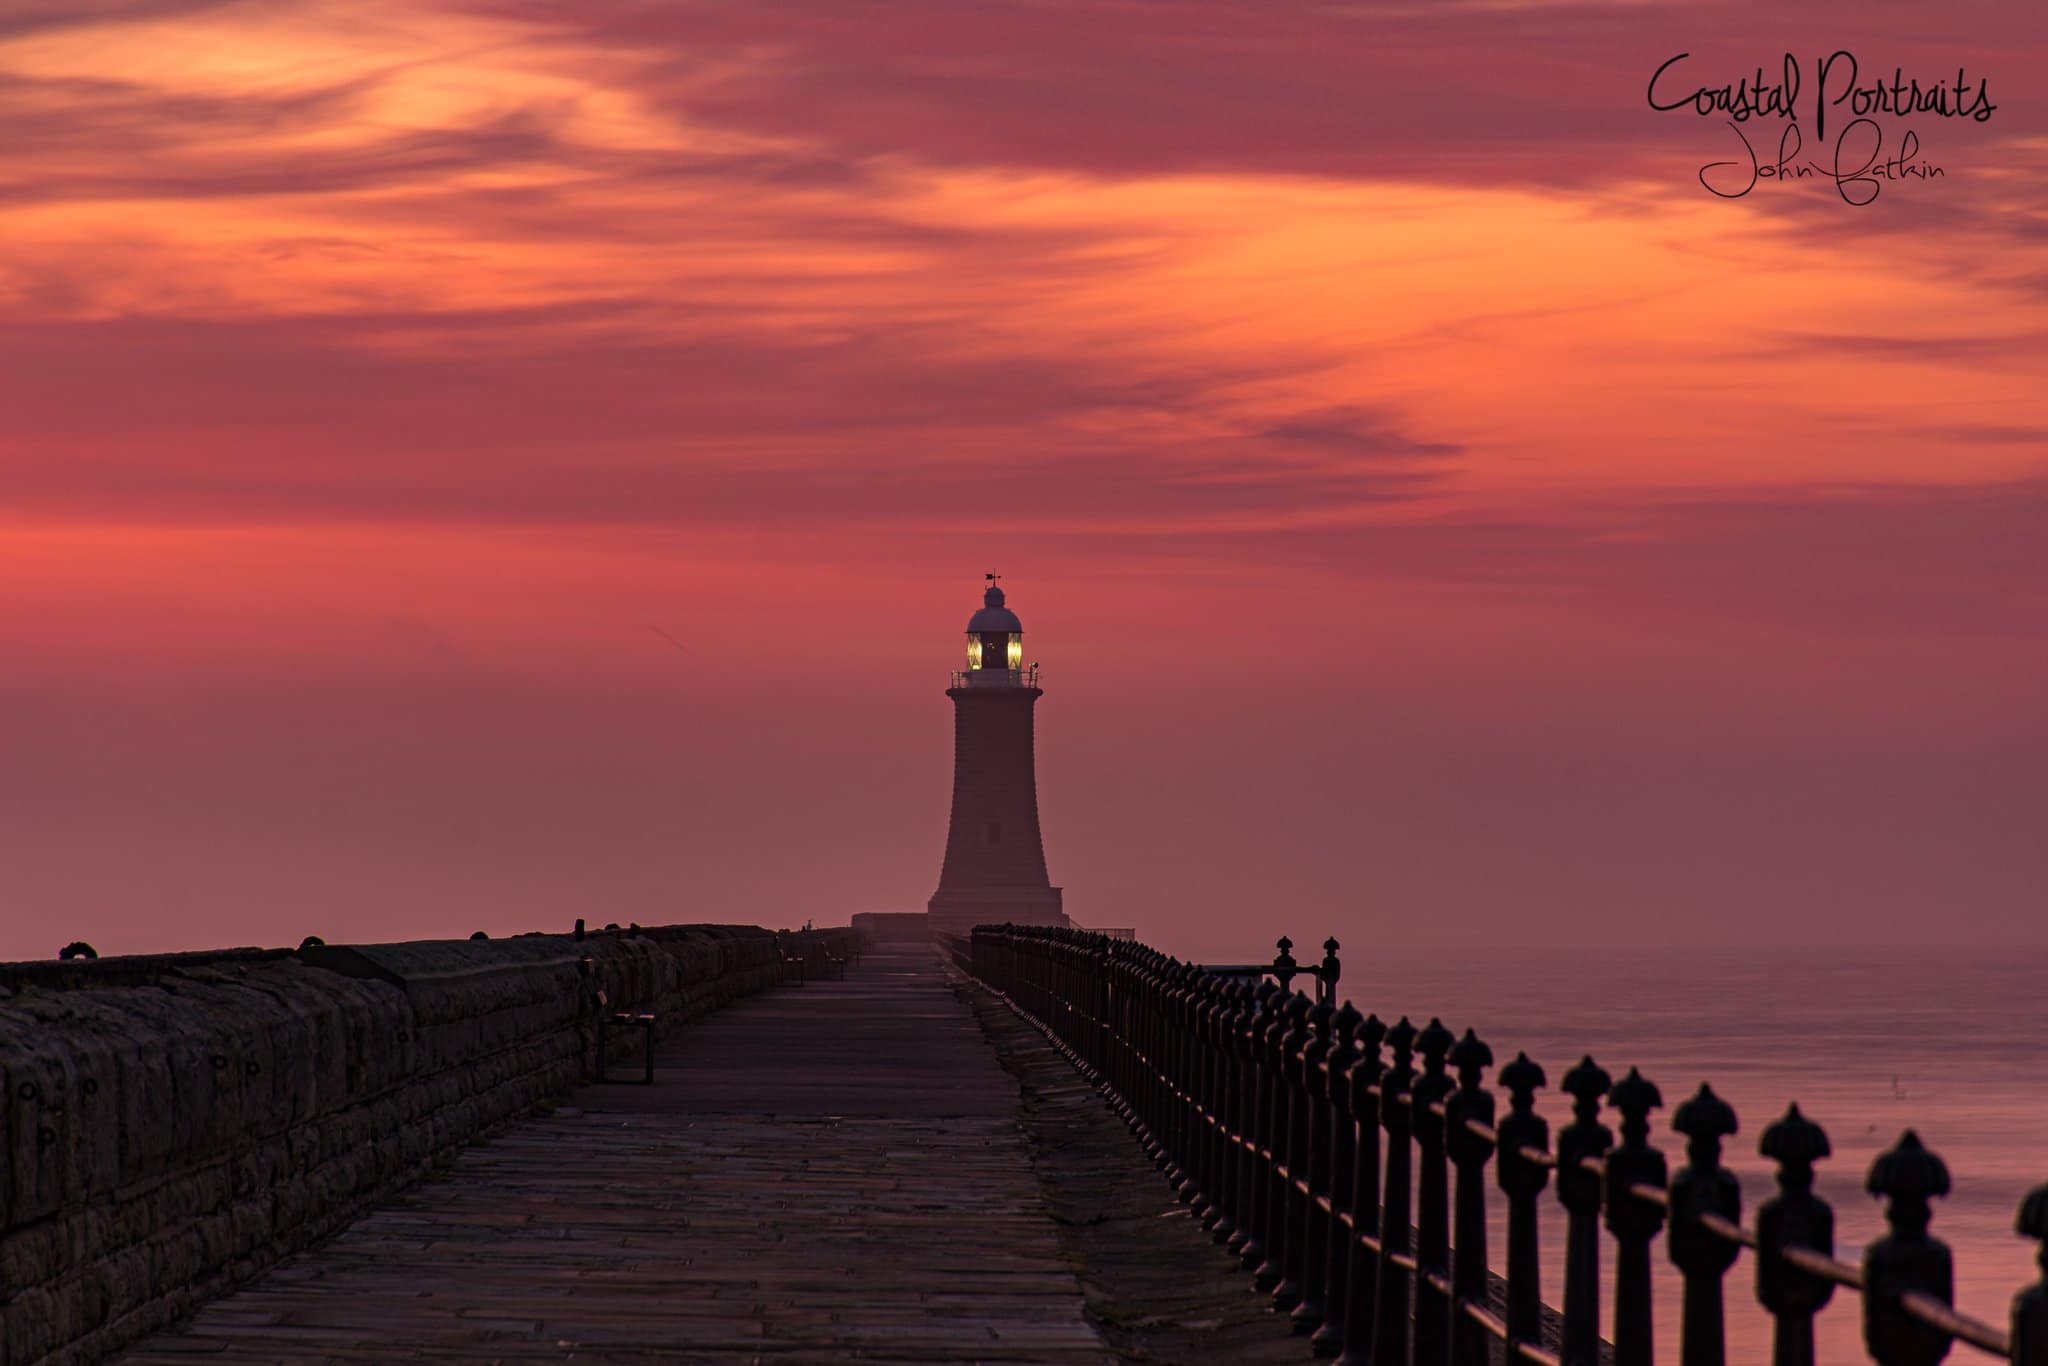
[792,959]
[608,1020]
[796,949]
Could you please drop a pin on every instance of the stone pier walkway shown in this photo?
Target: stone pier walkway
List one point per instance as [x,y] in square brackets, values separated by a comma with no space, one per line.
[825,1173]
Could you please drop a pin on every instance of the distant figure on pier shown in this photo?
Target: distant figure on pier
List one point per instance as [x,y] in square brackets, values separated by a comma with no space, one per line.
[995,862]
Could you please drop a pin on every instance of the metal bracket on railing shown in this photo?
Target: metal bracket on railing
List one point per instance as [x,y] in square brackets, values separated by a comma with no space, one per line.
[1284,969]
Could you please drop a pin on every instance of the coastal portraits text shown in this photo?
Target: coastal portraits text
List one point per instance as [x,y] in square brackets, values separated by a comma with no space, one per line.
[1848,146]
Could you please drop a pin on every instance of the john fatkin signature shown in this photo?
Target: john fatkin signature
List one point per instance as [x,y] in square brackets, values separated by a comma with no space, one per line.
[1857,161]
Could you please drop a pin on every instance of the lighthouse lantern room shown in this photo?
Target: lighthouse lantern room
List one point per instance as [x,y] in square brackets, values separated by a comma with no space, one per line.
[995,645]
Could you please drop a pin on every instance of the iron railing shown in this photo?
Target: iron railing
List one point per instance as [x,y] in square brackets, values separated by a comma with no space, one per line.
[1270,1114]
[996,678]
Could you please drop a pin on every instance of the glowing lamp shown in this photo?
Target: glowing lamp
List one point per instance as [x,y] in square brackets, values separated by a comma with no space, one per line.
[995,643]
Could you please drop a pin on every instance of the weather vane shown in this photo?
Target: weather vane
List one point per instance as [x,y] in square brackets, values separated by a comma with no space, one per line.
[992,576]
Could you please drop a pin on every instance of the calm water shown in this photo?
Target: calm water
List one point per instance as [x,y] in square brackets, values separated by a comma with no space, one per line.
[1869,1042]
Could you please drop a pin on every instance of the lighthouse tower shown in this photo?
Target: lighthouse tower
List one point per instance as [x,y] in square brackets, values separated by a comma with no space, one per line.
[995,862]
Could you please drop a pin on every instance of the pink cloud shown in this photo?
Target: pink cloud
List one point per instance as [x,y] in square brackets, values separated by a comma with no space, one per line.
[1401,463]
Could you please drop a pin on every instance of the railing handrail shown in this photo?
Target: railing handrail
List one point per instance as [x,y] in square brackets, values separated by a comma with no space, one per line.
[1934,1313]
[1266,1109]
[1025,676]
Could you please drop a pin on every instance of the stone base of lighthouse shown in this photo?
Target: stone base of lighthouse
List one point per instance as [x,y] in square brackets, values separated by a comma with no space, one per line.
[957,913]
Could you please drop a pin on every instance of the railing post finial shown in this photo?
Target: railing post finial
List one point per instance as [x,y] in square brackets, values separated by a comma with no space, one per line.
[1355,1336]
[1282,1270]
[1391,1304]
[1309,1156]
[1338,1240]
[1703,1187]
[1794,1217]
[1907,1259]
[1432,1194]
[1632,1220]
[1578,1190]
[1522,1181]
[1468,1111]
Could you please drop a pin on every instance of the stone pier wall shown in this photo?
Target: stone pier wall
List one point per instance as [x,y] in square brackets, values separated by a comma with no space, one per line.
[172,1125]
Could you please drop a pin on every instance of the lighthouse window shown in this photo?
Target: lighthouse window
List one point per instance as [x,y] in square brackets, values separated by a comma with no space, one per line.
[1016,652]
[995,832]
[974,652]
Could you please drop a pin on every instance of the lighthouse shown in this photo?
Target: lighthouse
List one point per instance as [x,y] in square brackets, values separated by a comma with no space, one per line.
[995,862]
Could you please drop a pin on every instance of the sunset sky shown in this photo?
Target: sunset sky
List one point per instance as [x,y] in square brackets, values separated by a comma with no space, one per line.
[474,465]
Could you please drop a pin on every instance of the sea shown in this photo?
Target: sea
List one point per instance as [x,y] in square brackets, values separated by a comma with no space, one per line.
[1949,1042]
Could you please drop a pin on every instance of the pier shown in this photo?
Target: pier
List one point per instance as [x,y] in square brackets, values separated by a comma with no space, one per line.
[467,1152]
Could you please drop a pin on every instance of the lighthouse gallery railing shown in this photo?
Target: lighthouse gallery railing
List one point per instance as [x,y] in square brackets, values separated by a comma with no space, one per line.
[1268,1110]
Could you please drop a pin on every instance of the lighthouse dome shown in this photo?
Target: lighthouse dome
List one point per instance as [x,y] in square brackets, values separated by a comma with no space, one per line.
[993,616]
